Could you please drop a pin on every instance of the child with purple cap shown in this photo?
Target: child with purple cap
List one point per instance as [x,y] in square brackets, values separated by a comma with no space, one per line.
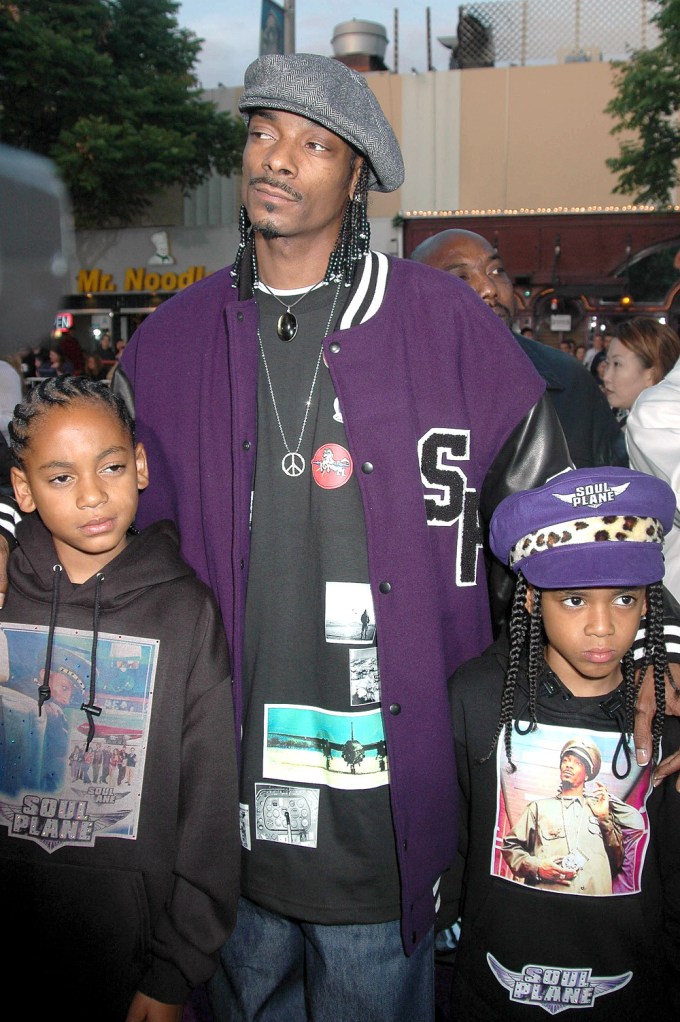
[567,886]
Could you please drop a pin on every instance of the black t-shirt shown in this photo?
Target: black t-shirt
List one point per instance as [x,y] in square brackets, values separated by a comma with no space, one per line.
[315,797]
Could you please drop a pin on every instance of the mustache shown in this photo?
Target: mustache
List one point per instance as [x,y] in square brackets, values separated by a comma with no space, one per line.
[280,186]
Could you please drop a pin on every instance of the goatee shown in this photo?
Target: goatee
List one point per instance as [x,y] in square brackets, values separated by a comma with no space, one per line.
[267,230]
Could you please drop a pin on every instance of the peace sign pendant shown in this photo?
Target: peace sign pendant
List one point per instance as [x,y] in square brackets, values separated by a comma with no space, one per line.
[293,464]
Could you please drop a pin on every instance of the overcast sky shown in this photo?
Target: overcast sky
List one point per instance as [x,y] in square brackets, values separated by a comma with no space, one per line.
[231,30]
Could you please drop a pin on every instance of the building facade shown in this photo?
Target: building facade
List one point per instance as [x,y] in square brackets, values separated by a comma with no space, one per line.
[516,152]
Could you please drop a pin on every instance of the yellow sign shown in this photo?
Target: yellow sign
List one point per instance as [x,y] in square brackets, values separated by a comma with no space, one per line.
[138,279]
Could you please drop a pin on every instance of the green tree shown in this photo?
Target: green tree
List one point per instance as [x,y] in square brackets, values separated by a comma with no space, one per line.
[647,104]
[107,89]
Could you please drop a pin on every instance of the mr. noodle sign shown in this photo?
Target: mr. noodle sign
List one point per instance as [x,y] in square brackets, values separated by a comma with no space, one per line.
[138,278]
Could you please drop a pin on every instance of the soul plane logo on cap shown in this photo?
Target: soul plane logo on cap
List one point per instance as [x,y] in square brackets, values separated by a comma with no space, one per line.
[593,495]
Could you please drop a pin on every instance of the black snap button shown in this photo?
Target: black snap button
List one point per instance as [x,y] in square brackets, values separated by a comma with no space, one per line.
[246,445]
[239,316]
[335,347]
[385,587]
[395,709]
[367,467]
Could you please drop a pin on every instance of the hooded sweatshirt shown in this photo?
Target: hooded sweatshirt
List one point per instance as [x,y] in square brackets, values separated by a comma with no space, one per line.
[604,941]
[119,848]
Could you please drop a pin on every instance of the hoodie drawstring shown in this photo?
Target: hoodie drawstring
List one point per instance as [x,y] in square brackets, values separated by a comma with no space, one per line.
[89,707]
[614,708]
[44,691]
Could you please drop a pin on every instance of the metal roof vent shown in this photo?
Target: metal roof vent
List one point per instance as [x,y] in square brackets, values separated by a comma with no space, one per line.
[365,38]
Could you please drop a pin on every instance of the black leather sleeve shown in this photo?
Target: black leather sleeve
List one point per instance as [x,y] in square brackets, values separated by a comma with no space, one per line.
[121,386]
[533,453]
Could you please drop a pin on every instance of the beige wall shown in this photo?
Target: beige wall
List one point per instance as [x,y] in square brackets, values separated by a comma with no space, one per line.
[477,141]
[430,133]
[537,137]
[501,139]
[388,91]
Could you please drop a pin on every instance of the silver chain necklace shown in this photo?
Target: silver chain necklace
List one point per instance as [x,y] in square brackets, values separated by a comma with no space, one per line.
[287,324]
[293,463]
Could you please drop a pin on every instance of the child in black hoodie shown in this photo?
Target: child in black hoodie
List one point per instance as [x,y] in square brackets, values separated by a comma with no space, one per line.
[124,883]
[568,883]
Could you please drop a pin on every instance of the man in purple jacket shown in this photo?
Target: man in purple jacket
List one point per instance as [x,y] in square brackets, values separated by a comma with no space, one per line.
[331,433]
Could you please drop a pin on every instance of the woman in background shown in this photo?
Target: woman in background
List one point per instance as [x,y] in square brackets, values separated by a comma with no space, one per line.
[640,355]
[94,368]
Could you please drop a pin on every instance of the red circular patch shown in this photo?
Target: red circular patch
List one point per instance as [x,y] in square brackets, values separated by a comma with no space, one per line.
[331,466]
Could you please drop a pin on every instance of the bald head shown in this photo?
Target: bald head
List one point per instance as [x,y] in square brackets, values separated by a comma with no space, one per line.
[472,258]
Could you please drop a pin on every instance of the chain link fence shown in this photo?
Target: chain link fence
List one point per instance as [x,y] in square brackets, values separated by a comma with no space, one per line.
[505,33]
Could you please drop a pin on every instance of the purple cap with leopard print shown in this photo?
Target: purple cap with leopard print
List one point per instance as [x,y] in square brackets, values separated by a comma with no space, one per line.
[586,527]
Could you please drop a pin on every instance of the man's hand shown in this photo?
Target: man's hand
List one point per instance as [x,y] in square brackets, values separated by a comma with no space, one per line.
[145,1009]
[599,801]
[554,872]
[644,713]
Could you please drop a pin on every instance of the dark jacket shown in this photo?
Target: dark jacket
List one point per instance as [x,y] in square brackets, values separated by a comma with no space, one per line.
[590,427]
[119,887]
[523,945]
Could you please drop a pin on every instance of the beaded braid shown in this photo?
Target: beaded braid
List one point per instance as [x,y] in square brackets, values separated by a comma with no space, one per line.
[60,390]
[354,237]
[244,230]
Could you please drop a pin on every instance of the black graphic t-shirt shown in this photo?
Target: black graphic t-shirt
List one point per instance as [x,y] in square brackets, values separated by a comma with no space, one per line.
[569,903]
[315,814]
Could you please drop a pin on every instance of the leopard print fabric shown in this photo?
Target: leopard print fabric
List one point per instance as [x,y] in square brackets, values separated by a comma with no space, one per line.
[614,528]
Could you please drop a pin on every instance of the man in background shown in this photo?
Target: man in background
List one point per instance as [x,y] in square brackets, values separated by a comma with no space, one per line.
[593,435]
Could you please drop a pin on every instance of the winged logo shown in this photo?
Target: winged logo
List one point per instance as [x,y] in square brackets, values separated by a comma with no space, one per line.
[553,988]
[101,822]
[592,496]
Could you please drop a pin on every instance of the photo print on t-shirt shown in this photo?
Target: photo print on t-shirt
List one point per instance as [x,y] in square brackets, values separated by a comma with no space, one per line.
[244,824]
[310,745]
[286,814]
[349,613]
[565,823]
[364,676]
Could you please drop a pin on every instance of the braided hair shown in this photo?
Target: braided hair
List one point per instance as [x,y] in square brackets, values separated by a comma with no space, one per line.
[61,390]
[354,237]
[527,639]
[353,241]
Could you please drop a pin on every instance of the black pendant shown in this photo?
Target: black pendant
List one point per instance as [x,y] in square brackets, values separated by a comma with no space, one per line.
[287,326]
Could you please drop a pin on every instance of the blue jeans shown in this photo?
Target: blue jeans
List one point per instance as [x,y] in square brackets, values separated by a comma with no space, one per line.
[275,969]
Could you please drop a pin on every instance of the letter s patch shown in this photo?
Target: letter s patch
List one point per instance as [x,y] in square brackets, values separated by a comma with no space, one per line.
[449,500]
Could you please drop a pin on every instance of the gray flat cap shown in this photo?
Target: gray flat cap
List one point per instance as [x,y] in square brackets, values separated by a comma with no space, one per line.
[330,93]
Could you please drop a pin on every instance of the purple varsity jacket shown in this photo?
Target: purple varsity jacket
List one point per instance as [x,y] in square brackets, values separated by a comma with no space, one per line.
[431,386]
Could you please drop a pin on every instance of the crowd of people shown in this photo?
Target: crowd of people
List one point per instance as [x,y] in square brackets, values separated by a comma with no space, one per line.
[360,438]
[64,355]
